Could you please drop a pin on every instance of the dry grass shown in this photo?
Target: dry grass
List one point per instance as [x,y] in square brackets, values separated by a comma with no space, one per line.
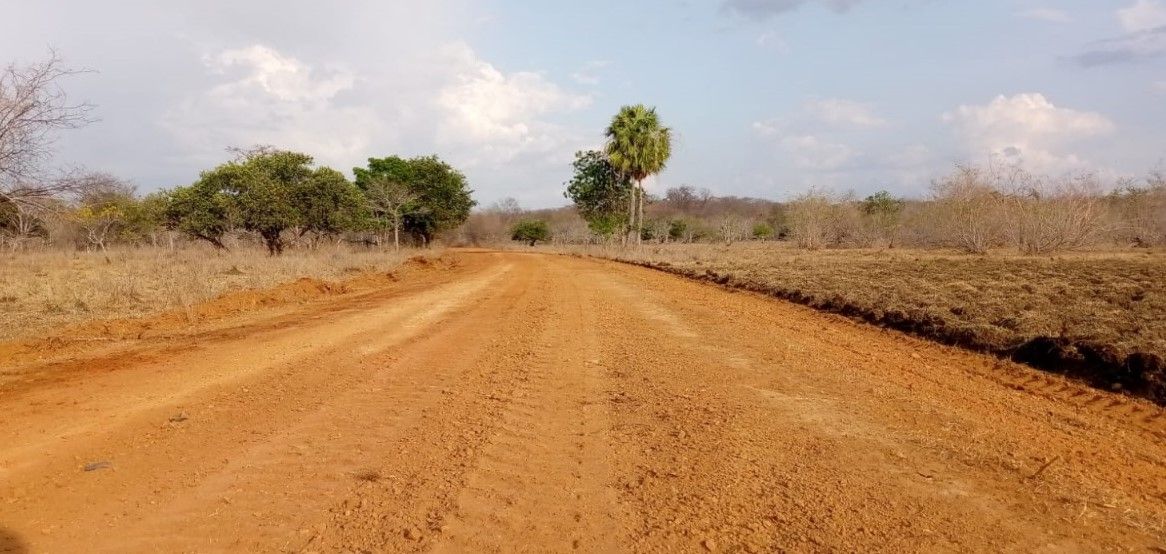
[1099,315]
[42,290]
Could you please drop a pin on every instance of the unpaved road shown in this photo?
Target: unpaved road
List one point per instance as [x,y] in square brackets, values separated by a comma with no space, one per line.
[526,402]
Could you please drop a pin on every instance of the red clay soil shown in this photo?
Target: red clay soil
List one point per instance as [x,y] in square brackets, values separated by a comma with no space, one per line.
[548,403]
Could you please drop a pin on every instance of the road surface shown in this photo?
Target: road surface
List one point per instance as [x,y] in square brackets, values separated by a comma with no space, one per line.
[530,402]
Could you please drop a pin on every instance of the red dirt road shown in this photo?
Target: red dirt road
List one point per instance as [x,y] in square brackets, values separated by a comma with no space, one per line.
[526,402]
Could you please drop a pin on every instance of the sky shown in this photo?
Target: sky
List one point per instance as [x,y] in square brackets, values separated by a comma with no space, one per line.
[766,98]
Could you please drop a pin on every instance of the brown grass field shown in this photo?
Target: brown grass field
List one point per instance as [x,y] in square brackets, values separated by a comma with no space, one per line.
[1100,316]
[47,290]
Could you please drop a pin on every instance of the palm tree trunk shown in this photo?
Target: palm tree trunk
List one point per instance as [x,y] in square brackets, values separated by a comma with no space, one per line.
[640,222]
[631,216]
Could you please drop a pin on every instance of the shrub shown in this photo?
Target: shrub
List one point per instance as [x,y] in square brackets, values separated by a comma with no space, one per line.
[531,231]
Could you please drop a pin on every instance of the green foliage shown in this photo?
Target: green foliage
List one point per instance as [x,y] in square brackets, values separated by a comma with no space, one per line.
[678,230]
[599,193]
[267,192]
[328,202]
[442,193]
[762,231]
[882,204]
[531,231]
[637,144]
[200,211]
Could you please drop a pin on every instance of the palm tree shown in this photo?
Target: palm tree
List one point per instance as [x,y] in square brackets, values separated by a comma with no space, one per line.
[638,147]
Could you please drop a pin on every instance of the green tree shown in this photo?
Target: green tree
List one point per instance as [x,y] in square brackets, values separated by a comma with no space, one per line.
[882,211]
[638,147]
[263,185]
[328,203]
[531,231]
[200,211]
[598,191]
[443,197]
[265,191]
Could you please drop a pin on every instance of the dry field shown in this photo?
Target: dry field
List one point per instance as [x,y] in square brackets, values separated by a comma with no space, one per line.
[46,290]
[1100,316]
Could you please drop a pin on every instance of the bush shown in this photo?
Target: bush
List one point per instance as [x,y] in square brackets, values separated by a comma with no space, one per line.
[531,231]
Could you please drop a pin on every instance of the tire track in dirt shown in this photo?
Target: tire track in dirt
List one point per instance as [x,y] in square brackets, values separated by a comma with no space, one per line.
[543,478]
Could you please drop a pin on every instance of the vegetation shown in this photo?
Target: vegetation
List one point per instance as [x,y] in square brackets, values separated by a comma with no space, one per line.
[599,193]
[531,231]
[638,146]
[440,195]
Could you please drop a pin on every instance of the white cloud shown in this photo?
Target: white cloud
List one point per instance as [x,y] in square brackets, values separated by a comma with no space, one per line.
[1050,15]
[275,99]
[480,118]
[814,153]
[589,73]
[1142,15]
[764,9]
[843,113]
[498,115]
[774,41]
[1160,86]
[1028,129]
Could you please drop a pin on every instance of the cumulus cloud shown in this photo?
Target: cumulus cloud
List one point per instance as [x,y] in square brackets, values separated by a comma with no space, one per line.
[481,118]
[1143,15]
[499,115]
[1145,24]
[1027,129]
[765,9]
[843,113]
[1050,15]
[271,98]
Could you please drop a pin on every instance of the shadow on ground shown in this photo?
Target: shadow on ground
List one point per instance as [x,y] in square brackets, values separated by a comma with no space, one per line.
[10,542]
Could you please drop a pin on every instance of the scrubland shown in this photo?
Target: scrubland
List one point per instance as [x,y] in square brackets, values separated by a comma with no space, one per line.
[44,289]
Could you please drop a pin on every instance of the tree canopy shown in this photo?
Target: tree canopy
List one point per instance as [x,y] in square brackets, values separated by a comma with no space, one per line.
[599,192]
[265,191]
[442,193]
[638,146]
[531,231]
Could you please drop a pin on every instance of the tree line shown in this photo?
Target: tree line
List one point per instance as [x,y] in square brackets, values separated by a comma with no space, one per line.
[274,197]
[974,209]
[265,195]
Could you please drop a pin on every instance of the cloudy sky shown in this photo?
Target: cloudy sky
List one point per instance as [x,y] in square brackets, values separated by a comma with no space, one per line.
[767,97]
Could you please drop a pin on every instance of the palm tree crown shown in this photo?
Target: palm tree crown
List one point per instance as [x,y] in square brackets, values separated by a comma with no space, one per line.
[637,145]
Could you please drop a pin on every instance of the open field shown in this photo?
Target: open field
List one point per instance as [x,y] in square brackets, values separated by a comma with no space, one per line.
[1101,316]
[500,399]
[48,289]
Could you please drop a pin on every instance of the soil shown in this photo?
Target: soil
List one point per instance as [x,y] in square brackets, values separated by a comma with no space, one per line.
[533,402]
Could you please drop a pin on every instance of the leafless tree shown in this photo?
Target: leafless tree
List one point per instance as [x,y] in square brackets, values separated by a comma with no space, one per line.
[32,106]
[968,210]
[389,201]
[1048,217]
[732,228]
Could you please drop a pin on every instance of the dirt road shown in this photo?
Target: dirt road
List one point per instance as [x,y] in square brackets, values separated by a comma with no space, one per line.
[526,402]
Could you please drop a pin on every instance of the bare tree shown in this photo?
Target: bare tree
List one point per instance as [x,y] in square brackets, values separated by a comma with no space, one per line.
[390,201]
[32,106]
[1046,218]
[968,210]
[732,228]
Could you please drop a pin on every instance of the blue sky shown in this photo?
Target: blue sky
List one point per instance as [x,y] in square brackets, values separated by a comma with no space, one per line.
[767,97]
